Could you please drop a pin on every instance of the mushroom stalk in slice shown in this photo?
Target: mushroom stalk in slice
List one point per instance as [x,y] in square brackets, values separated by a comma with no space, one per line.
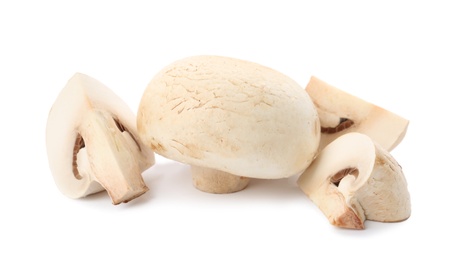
[92,143]
[354,179]
[341,113]
[229,119]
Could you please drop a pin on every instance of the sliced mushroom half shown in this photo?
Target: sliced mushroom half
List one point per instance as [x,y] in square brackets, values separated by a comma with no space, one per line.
[341,113]
[92,143]
[354,179]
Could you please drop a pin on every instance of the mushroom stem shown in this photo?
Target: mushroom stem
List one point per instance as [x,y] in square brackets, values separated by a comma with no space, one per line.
[114,157]
[335,207]
[215,181]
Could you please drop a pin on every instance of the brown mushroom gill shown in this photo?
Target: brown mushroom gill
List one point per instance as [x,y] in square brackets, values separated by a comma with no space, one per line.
[79,144]
[344,123]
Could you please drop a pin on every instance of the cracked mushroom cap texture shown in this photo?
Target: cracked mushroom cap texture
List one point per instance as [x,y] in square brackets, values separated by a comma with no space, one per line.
[231,115]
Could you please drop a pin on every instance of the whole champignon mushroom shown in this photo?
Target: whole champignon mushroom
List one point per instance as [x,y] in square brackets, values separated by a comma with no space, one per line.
[231,120]
[341,113]
[92,143]
[354,179]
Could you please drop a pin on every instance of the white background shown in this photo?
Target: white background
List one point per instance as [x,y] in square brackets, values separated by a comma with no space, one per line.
[392,53]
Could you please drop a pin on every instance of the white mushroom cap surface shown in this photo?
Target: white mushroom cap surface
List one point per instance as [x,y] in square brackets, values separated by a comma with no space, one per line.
[354,179]
[230,115]
[92,142]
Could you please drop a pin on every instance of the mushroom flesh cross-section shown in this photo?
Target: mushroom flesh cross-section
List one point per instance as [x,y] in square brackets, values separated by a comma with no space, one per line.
[342,113]
[92,143]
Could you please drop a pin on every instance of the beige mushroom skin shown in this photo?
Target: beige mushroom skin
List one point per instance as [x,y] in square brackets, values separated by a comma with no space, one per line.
[215,181]
[354,179]
[229,116]
[342,113]
[92,143]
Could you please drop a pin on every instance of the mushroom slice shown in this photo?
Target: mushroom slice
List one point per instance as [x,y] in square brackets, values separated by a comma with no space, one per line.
[354,179]
[92,143]
[341,113]
[231,120]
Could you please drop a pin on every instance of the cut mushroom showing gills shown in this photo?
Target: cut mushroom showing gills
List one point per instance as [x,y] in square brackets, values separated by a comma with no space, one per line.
[92,143]
[354,179]
[229,119]
[341,113]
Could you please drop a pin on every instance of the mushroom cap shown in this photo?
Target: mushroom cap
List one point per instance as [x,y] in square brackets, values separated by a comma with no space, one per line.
[230,115]
[81,95]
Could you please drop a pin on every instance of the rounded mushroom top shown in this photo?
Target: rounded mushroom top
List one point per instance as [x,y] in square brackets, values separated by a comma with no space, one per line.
[231,115]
